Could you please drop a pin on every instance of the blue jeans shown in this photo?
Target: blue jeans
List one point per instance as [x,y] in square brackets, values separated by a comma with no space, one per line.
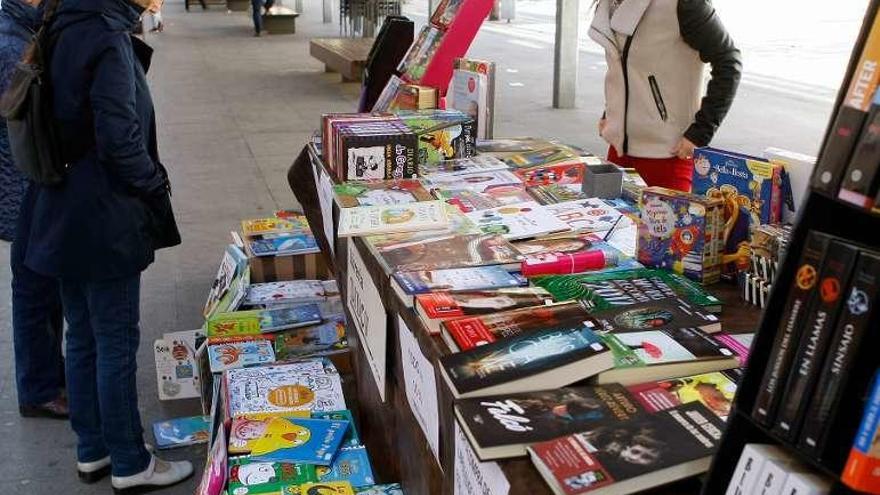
[257,6]
[37,327]
[102,343]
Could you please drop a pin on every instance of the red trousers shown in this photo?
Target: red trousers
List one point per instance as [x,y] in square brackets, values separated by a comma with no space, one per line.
[673,173]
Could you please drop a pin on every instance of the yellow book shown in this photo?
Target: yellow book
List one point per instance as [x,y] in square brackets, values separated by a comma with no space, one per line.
[329,488]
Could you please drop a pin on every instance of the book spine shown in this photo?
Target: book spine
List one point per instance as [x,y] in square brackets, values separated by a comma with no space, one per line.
[788,333]
[850,117]
[813,346]
[848,337]
[859,184]
[862,468]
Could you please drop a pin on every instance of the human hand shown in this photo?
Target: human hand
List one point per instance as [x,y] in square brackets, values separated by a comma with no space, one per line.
[684,149]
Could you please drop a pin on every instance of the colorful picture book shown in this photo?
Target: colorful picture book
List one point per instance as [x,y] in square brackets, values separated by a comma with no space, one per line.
[291,223]
[290,292]
[479,182]
[462,167]
[251,477]
[320,488]
[301,386]
[224,295]
[215,473]
[299,440]
[259,321]
[660,448]
[468,201]
[327,338]
[670,313]
[586,215]
[181,432]
[178,374]
[352,465]
[398,192]
[714,390]
[389,489]
[473,88]
[557,193]
[283,244]
[518,221]
[416,60]
[452,251]
[436,307]
[373,220]
[441,134]
[458,280]
[234,355]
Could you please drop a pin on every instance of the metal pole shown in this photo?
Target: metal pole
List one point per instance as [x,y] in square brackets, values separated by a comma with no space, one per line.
[508,9]
[430,8]
[298,6]
[328,11]
[565,61]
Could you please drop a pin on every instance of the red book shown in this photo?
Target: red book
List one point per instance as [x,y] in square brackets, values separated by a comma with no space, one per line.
[436,307]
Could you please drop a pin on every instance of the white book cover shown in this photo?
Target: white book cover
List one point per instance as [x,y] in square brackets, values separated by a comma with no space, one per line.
[290,292]
[774,475]
[386,219]
[806,484]
[749,467]
[471,93]
[518,221]
[462,166]
[177,370]
[300,386]
[476,181]
[586,215]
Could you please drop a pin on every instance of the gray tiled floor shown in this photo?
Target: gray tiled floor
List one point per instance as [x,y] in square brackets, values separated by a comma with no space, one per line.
[233,110]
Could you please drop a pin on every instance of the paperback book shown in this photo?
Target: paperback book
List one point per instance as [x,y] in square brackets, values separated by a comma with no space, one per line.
[478,164]
[389,489]
[518,221]
[714,390]
[181,432]
[384,193]
[670,313]
[457,280]
[290,292]
[587,215]
[545,359]
[862,469]
[178,373]
[442,134]
[320,340]
[299,440]
[632,455]
[251,477]
[224,294]
[420,54]
[452,251]
[504,425]
[473,91]
[568,172]
[260,321]
[436,307]
[458,225]
[372,220]
[320,488]
[352,465]
[468,201]
[234,355]
[375,151]
[301,386]
[351,438]
[558,193]
[479,182]
[289,224]
[283,245]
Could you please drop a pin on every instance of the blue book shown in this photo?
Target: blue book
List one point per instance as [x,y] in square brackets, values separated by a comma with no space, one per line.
[284,244]
[272,320]
[352,439]
[352,464]
[181,432]
[389,489]
[458,279]
[233,355]
[299,440]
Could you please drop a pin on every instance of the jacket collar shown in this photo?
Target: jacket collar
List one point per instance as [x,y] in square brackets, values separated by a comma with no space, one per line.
[624,21]
[120,15]
[25,15]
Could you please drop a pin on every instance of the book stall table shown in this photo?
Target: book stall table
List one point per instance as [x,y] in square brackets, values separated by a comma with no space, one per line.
[405,408]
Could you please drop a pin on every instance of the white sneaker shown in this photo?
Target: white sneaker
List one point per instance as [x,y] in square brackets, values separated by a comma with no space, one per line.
[158,474]
[95,471]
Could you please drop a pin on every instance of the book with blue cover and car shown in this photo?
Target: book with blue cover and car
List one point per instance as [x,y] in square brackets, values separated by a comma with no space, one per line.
[181,432]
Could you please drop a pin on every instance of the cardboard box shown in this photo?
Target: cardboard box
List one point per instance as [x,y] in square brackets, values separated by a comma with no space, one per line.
[290,267]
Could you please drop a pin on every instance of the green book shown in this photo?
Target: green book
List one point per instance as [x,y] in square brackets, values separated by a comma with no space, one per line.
[621,288]
[247,477]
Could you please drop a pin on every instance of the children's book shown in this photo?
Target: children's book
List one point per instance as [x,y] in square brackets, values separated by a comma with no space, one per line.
[177,368]
[473,91]
[557,193]
[320,488]
[459,224]
[300,440]
[586,215]
[458,280]
[479,182]
[258,321]
[280,389]
[352,464]
[232,266]
[420,54]
[389,489]
[324,339]
[372,220]
[450,252]
[215,473]
[290,292]
[351,439]
[283,245]
[445,13]
[567,172]
[442,134]
[462,167]
[548,153]
[250,477]
[234,355]
[181,432]
[518,221]
[715,390]
[468,201]
[290,224]
[397,192]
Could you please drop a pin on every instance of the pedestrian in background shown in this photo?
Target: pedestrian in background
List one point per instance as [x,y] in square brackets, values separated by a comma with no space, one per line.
[657,105]
[98,229]
[37,322]
[257,11]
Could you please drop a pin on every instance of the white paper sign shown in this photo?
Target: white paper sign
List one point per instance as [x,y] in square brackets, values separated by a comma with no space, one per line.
[473,477]
[365,305]
[421,386]
[325,198]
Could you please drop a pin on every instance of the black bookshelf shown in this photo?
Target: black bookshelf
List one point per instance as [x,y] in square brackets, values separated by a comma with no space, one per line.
[822,213]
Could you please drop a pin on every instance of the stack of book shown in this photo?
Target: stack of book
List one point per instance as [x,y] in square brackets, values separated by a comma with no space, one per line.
[767,246]
[768,469]
[278,236]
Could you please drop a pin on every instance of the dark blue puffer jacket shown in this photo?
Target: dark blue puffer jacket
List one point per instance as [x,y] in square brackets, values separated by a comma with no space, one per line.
[18,22]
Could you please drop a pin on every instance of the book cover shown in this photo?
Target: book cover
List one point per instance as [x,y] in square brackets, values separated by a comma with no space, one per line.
[462,167]
[586,215]
[258,321]
[516,420]
[397,192]
[860,181]
[468,201]
[389,489]
[371,220]
[813,346]
[449,252]
[638,451]
[250,477]
[670,313]
[299,440]
[855,321]
[622,288]
[284,244]
[749,466]
[458,279]
[800,297]
[378,154]
[214,476]
[327,338]
[232,266]
[352,465]
[652,350]
[441,134]
[481,330]
[862,469]
[279,389]
[518,221]
[714,390]
[448,305]
[806,484]
[459,224]
[181,432]
[445,13]
[420,54]
[415,97]
[473,92]
[234,355]
[479,182]
[557,193]
[740,343]
[290,224]
[541,155]
[351,438]
[480,370]
[178,374]
[290,292]
[320,488]
[568,172]
[678,232]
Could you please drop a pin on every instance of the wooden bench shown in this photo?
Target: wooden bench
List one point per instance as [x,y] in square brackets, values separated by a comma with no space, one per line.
[346,56]
[238,5]
[280,20]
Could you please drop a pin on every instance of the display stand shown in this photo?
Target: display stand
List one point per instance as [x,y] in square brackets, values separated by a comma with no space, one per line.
[397,442]
[824,214]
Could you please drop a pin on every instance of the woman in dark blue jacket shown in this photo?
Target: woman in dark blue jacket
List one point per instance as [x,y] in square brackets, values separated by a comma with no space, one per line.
[98,231]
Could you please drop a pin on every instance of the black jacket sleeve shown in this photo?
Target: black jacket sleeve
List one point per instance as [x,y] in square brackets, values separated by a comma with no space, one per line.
[703,31]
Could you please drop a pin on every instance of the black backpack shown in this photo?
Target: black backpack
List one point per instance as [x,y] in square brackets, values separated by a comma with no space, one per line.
[27,107]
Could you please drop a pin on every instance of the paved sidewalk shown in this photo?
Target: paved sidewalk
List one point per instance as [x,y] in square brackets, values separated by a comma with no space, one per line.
[233,111]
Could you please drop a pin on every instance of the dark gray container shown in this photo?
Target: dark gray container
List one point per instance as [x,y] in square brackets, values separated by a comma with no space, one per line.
[603,181]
